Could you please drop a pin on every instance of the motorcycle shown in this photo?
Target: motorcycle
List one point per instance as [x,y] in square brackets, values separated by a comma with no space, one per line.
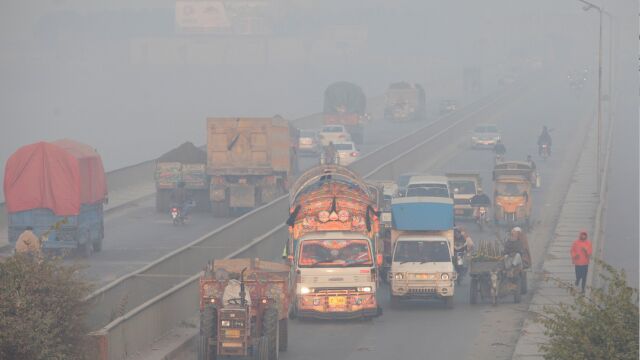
[544,151]
[481,217]
[176,216]
[459,264]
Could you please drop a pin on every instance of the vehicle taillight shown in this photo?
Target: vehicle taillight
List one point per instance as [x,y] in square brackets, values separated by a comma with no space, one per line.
[354,153]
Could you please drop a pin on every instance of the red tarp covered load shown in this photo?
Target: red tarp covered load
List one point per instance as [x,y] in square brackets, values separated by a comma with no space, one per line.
[59,175]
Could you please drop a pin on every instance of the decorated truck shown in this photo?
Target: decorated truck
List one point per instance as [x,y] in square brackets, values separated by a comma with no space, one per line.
[345,104]
[58,189]
[422,243]
[332,249]
[249,161]
[186,164]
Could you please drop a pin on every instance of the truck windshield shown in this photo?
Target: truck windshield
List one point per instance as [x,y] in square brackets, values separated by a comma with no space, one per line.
[335,253]
[438,190]
[464,187]
[511,189]
[422,251]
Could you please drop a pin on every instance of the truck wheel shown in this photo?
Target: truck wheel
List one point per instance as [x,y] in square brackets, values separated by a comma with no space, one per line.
[283,336]
[270,331]
[395,301]
[208,329]
[261,348]
[523,283]
[220,209]
[448,302]
[473,292]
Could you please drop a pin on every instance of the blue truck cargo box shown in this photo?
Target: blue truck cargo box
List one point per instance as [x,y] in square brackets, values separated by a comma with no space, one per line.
[422,213]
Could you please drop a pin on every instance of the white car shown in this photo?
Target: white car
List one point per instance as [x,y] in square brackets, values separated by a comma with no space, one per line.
[485,136]
[346,152]
[333,133]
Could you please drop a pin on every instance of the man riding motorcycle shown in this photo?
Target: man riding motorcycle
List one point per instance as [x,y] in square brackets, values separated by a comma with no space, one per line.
[478,202]
[463,245]
[499,149]
[181,198]
[544,139]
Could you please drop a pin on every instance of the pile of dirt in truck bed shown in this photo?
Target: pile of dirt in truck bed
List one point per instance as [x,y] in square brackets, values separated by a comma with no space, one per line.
[186,153]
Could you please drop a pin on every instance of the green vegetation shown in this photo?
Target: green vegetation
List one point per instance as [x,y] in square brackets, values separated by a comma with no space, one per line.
[600,325]
[41,309]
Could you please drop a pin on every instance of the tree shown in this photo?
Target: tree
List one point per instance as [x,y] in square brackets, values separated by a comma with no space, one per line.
[600,325]
[41,309]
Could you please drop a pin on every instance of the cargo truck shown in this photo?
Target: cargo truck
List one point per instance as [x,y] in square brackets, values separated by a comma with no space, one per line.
[422,243]
[464,186]
[405,102]
[249,160]
[332,249]
[57,188]
[186,163]
[345,104]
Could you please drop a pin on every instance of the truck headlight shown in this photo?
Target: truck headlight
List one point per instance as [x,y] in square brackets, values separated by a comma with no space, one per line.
[398,276]
[444,276]
[304,290]
[225,323]
[364,289]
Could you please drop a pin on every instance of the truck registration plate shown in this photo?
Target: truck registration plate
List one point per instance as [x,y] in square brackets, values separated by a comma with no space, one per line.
[337,301]
[423,276]
[232,333]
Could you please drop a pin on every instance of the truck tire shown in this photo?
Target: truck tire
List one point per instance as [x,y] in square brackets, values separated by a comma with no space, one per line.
[208,330]
[162,200]
[523,283]
[261,348]
[220,209]
[473,291]
[283,336]
[270,331]
[448,302]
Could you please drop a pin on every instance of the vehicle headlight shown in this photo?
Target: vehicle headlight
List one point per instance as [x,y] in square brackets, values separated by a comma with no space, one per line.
[444,276]
[364,289]
[398,276]
[304,290]
[225,323]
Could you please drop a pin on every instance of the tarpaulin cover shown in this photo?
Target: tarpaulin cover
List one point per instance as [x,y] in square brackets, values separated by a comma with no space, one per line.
[422,213]
[59,175]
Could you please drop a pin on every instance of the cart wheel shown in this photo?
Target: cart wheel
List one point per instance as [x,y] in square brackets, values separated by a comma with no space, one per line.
[523,283]
[473,292]
[283,337]
[208,329]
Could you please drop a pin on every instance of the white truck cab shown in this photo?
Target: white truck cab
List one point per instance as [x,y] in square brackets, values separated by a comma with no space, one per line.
[427,185]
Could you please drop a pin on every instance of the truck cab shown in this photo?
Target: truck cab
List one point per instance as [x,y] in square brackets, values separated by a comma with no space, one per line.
[336,276]
[464,186]
[426,185]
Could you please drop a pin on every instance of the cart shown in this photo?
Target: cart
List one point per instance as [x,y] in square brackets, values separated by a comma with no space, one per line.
[492,281]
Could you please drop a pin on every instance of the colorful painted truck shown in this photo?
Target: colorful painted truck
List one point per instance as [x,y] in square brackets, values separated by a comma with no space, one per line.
[57,188]
[187,164]
[422,246]
[332,248]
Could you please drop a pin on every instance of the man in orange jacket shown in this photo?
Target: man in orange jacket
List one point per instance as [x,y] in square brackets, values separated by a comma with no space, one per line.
[580,256]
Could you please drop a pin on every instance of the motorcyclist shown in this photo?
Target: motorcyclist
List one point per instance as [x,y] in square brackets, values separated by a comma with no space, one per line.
[330,153]
[499,148]
[544,138]
[181,197]
[479,200]
[534,174]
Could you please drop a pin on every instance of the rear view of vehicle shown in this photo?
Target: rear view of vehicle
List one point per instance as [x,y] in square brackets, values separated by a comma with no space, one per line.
[485,136]
[464,187]
[405,102]
[308,142]
[333,134]
[249,161]
[427,185]
[347,152]
[448,107]
[345,104]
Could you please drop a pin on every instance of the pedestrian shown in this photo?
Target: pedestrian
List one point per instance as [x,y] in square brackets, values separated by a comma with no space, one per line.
[28,243]
[580,255]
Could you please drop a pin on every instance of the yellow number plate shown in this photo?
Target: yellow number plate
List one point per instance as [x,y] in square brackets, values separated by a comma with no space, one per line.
[423,276]
[337,301]
[232,333]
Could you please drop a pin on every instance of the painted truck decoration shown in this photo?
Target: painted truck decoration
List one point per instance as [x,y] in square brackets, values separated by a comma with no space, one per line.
[333,227]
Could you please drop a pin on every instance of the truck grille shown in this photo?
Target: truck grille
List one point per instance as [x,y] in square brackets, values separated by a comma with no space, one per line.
[422,291]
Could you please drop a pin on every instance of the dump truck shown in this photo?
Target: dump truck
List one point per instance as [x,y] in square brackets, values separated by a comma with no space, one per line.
[244,308]
[332,247]
[249,160]
[187,164]
[57,188]
[345,104]
[422,245]
[405,102]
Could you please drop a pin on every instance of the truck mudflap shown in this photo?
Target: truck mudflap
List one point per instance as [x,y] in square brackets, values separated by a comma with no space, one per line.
[242,196]
[343,306]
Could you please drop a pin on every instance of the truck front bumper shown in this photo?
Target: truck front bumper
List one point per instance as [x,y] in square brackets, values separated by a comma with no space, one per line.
[337,306]
[422,289]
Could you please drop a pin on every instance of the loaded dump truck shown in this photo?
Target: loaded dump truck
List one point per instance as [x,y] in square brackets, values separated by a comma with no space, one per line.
[249,161]
[57,188]
[333,227]
[422,243]
[187,164]
[244,307]
[345,104]
[405,102]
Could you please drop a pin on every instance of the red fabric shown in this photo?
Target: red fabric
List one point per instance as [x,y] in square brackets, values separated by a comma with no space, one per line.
[59,176]
[581,251]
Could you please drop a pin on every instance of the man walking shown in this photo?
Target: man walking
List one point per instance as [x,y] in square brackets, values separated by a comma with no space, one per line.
[580,256]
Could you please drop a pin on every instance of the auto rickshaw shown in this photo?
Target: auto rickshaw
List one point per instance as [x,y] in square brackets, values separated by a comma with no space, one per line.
[512,193]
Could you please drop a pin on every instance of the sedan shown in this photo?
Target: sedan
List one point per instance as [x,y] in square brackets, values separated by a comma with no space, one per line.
[346,152]
[333,133]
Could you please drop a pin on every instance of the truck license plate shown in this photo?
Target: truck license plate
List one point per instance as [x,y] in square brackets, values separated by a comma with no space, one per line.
[337,301]
[423,276]
[232,333]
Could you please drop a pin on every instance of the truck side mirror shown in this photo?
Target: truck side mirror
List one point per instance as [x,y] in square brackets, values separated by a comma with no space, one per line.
[379,259]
